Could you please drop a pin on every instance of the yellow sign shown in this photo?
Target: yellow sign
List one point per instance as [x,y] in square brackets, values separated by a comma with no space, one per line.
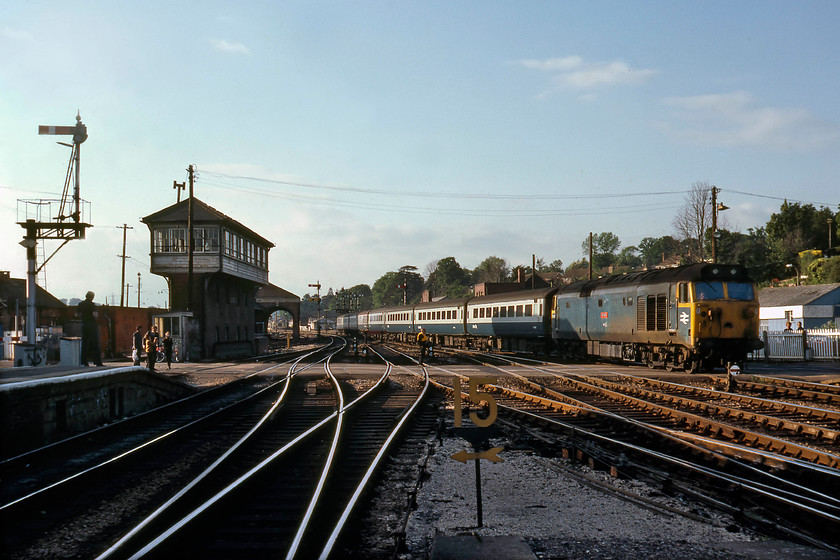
[490,455]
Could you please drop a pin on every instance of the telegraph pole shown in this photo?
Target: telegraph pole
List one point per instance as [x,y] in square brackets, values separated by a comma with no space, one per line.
[190,242]
[715,233]
[125,228]
[138,290]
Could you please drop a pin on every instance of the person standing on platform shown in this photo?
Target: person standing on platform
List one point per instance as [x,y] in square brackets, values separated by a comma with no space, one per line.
[90,331]
[150,340]
[137,345]
[167,350]
[423,341]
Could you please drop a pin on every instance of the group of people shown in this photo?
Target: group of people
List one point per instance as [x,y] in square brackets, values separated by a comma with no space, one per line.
[149,343]
[798,327]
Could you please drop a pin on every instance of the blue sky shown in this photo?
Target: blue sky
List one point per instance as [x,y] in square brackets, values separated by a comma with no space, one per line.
[363,136]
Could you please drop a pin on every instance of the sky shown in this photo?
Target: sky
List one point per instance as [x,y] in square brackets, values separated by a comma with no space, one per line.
[363,136]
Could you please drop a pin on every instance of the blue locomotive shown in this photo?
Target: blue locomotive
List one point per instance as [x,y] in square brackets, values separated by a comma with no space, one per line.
[687,318]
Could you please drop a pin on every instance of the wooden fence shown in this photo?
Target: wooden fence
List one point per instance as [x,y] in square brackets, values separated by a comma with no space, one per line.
[814,344]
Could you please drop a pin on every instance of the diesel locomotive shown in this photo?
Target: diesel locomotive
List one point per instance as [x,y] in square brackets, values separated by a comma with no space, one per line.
[689,318]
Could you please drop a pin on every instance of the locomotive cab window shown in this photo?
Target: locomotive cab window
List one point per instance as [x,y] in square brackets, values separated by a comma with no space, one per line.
[741,291]
[683,293]
[708,290]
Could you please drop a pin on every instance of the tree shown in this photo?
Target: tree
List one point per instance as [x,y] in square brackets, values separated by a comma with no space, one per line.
[554,266]
[796,228]
[388,290]
[693,219]
[491,269]
[654,250]
[629,257]
[449,279]
[578,269]
[604,246]
[357,298]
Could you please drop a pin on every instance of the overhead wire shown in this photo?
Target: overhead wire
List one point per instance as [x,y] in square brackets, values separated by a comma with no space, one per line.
[511,212]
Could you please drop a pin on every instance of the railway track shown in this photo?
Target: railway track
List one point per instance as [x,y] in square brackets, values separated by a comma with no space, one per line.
[104,477]
[641,427]
[290,490]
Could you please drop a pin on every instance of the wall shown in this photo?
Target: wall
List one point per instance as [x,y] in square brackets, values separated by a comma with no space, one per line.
[37,413]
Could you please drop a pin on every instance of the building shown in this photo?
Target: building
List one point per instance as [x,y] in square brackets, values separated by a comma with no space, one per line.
[212,292]
[814,306]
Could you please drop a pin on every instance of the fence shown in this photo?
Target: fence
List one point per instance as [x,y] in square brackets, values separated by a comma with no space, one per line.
[814,344]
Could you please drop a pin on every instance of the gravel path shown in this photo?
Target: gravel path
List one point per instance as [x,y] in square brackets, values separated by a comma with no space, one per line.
[561,517]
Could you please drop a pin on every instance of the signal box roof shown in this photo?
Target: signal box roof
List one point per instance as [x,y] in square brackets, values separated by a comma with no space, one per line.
[202,214]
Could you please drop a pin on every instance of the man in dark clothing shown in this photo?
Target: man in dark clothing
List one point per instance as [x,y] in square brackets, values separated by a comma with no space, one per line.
[137,345]
[90,331]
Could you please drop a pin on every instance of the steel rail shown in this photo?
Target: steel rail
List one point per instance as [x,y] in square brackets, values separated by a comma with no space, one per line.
[157,439]
[331,540]
[638,395]
[819,392]
[809,411]
[719,429]
[832,436]
[146,521]
[734,450]
[789,499]
[87,434]
[328,464]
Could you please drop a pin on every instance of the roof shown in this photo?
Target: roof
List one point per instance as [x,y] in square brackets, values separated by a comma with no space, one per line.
[795,295]
[202,212]
[12,289]
[270,293]
[687,273]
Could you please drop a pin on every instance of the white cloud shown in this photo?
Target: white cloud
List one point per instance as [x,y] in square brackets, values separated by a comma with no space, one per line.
[735,119]
[228,47]
[574,73]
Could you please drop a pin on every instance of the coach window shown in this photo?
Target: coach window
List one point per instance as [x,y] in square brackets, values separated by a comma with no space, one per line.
[519,311]
[495,312]
[529,310]
[503,311]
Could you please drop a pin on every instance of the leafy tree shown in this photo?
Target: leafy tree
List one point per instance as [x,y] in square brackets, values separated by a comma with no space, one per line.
[449,279]
[553,266]
[629,257]
[604,246]
[357,298]
[748,249]
[654,250]
[389,291]
[796,228]
[578,269]
[824,271]
[491,269]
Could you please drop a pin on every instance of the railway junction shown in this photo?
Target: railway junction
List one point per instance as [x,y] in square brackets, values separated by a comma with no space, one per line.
[335,450]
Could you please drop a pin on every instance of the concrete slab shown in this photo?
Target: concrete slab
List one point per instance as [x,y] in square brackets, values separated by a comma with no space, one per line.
[474,547]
